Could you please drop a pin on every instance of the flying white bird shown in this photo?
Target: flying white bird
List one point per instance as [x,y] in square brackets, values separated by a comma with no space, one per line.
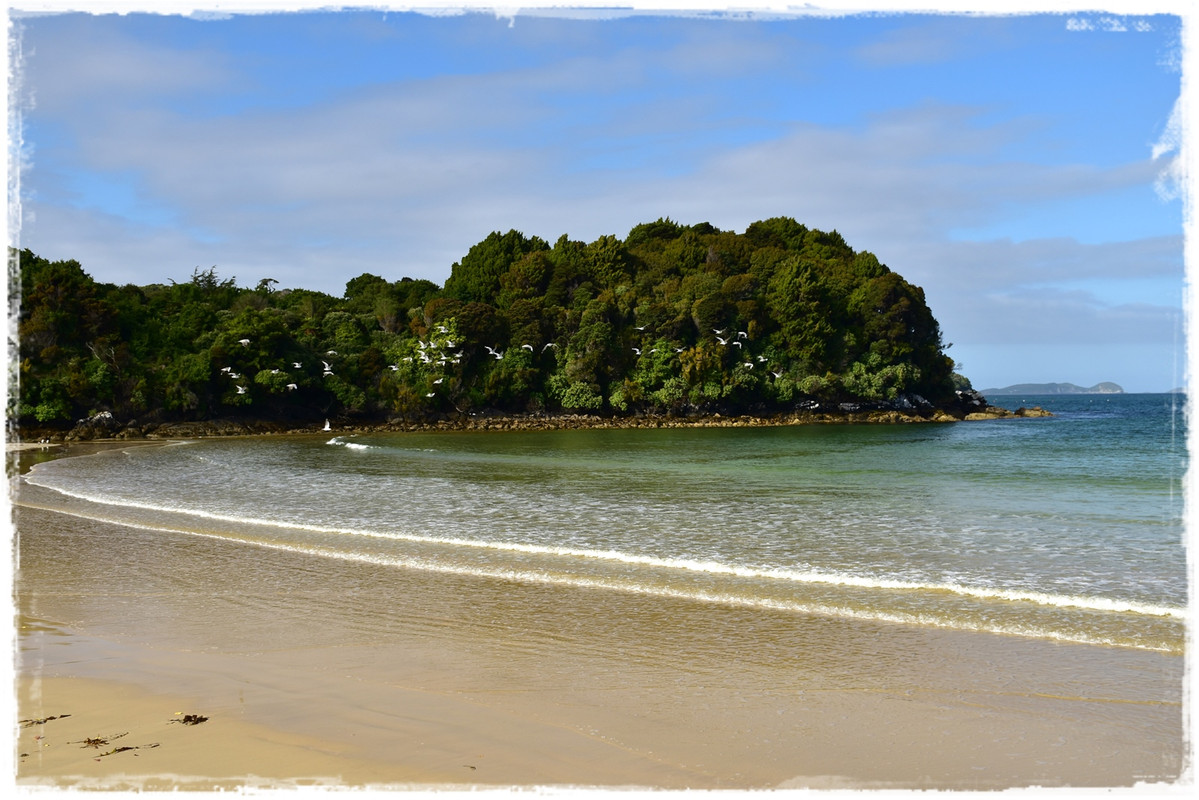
[548,345]
[226,369]
[292,386]
[439,380]
[331,353]
[529,347]
[722,341]
[244,342]
[327,366]
[241,390]
[717,332]
[637,350]
[430,394]
[297,365]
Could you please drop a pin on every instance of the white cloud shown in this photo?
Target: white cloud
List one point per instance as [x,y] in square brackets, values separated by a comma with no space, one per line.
[86,64]
[1170,179]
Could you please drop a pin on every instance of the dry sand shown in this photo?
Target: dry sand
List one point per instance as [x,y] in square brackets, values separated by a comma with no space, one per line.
[122,737]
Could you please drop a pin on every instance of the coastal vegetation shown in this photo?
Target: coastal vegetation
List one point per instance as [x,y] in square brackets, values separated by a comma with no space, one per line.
[670,320]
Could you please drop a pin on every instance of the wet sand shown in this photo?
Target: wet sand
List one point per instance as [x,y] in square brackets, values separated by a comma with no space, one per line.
[318,672]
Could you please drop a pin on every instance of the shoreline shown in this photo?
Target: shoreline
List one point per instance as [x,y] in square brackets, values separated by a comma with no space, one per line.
[102,428]
[319,674]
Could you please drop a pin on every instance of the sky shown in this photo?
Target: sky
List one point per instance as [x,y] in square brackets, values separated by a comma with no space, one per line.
[1025,169]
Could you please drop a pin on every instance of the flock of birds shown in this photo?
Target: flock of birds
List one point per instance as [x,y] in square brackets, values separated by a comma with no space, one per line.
[291,387]
[431,352]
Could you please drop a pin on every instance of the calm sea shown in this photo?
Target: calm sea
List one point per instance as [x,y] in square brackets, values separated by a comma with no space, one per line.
[1067,528]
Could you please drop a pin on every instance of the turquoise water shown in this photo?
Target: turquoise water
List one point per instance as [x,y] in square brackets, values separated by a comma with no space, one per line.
[1066,528]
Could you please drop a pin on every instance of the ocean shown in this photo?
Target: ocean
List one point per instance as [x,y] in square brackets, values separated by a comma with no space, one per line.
[1067,528]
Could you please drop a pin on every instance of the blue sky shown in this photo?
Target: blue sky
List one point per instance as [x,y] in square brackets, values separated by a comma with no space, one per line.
[1022,168]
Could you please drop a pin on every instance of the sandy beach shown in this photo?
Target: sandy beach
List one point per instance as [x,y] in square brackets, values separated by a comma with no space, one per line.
[315,672]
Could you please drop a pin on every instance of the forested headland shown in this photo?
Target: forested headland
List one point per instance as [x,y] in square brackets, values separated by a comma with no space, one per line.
[673,320]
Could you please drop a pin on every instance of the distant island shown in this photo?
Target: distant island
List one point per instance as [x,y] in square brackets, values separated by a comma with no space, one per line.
[672,322]
[1106,387]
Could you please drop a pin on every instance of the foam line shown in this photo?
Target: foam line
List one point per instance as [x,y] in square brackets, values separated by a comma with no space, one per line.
[527,576]
[1090,603]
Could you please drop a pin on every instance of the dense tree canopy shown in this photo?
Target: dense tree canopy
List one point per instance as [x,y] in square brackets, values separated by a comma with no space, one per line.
[672,319]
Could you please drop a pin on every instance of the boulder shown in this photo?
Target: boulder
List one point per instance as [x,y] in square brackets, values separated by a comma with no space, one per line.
[98,426]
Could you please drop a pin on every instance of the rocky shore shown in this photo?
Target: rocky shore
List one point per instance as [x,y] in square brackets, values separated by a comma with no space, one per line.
[970,407]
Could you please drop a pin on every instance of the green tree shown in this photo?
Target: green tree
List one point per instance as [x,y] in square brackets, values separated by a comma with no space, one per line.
[803,312]
[477,277]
